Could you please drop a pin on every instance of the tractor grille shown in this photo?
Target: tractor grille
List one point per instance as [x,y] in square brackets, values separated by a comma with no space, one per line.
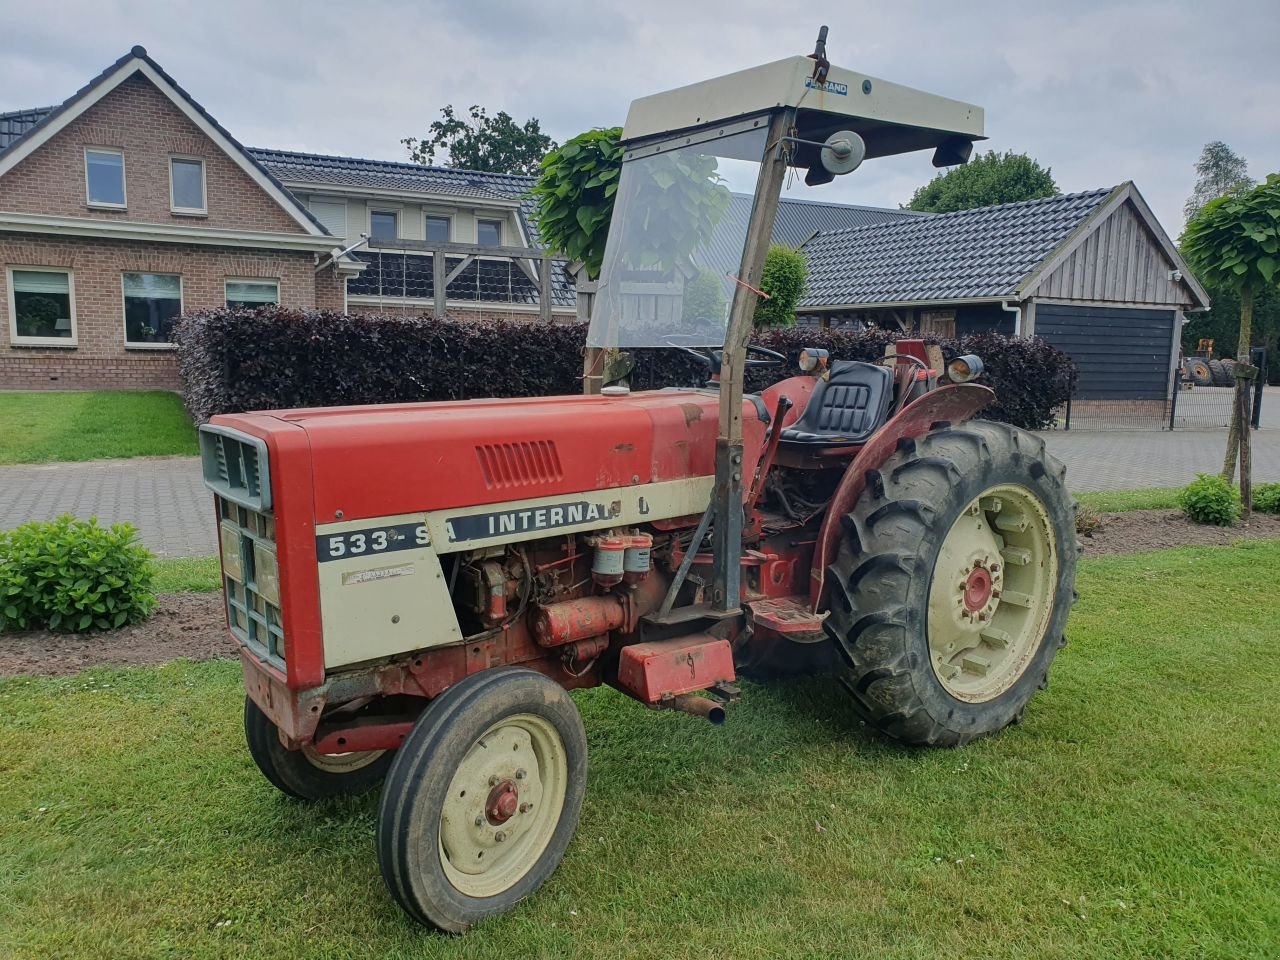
[250,576]
[235,465]
[519,464]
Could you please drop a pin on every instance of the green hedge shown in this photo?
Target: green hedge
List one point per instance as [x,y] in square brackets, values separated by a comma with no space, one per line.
[271,358]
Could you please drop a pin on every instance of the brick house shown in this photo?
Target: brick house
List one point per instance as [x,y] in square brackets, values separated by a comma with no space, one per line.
[125,206]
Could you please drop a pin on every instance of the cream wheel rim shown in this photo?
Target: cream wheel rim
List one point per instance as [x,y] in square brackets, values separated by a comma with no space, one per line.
[339,763]
[503,805]
[992,593]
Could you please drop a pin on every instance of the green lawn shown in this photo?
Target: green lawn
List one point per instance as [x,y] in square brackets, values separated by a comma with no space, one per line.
[1118,501]
[186,575]
[1132,814]
[47,426]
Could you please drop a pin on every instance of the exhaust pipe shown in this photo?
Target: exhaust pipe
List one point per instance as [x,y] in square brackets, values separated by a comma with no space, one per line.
[703,707]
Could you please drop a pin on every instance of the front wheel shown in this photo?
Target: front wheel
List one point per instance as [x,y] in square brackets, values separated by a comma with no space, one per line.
[483,798]
[951,590]
[305,774]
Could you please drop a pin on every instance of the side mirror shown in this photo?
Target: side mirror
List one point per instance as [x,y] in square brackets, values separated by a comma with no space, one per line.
[843,152]
[953,152]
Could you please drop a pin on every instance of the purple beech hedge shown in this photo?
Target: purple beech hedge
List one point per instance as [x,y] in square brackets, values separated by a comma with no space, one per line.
[273,358]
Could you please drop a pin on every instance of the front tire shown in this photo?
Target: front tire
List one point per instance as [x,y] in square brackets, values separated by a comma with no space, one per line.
[951,589]
[483,798]
[305,774]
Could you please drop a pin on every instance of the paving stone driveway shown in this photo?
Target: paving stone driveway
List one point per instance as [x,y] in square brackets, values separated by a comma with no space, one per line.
[166,500]
[164,497]
[1116,460]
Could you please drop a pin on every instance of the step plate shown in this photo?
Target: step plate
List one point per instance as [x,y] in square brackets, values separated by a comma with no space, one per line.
[667,668]
[789,617]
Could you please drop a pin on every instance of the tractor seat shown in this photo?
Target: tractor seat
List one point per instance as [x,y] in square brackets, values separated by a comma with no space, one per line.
[845,408]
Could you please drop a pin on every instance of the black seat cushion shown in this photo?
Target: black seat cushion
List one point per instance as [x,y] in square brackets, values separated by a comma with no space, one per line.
[845,408]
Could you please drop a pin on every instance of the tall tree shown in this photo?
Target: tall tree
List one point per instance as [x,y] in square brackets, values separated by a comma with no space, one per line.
[984,181]
[1219,171]
[493,144]
[1235,241]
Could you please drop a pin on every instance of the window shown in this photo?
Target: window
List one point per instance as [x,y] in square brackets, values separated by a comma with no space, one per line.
[438,229]
[489,233]
[383,225]
[186,185]
[152,302]
[331,213]
[42,306]
[252,293]
[104,177]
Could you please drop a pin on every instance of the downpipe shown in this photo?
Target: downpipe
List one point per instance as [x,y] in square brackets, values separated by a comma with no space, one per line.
[1017,316]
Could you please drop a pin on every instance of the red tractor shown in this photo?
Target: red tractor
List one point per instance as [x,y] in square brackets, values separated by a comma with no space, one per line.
[414,588]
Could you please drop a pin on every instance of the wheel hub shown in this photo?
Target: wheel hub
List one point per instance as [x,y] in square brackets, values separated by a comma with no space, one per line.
[977,589]
[503,801]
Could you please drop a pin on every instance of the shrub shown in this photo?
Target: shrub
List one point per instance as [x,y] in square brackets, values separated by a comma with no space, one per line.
[1210,499]
[235,360]
[785,272]
[1088,521]
[1266,498]
[73,575]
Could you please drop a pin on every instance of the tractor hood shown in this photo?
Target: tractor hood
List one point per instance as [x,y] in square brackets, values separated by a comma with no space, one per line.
[374,461]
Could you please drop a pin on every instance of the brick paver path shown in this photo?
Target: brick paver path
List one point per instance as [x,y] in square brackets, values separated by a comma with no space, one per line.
[164,497]
[1116,460]
[166,500]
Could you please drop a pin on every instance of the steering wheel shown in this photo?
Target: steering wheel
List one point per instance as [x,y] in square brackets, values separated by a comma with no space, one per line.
[713,358]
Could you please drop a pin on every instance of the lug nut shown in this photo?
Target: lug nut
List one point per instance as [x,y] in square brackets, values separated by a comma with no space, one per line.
[520,774]
[493,781]
[525,807]
[499,836]
[479,821]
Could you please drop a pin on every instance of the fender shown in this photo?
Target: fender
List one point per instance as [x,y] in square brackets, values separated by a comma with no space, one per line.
[953,403]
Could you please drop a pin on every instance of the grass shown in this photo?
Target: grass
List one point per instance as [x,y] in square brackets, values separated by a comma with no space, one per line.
[1119,501]
[45,427]
[1131,815]
[186,575]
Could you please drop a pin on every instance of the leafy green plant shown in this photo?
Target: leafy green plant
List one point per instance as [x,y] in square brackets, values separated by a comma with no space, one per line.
[1266,498]
[73,575]
[1210,499]
[574,194]
[988,179]
[1235,241]
[785,272]
[704,298]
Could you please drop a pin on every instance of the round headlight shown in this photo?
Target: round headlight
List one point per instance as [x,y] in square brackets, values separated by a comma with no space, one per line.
[811,358]
[965,368]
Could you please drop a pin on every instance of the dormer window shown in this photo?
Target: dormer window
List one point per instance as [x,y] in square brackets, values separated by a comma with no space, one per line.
[104,177]
[489,233]
[186,186]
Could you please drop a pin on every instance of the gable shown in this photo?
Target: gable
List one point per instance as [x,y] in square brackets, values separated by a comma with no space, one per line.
[1118,260]
[139,119]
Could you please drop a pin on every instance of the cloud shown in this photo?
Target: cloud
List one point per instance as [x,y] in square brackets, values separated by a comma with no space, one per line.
[1100,91]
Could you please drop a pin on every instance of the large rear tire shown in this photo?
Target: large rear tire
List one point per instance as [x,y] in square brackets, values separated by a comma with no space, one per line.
[1218,370]
[483,798]
[305,774]
[950,592]
[1198,372]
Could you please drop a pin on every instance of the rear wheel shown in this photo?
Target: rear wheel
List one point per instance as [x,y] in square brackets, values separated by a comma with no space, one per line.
[1198,372]
[306,774]
[483,798]
[950,592]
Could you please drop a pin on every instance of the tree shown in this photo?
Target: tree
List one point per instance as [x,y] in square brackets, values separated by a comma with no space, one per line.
[1219,171]
[494,144]
[785,272]
[984,181]
[574,194]
[1235,242]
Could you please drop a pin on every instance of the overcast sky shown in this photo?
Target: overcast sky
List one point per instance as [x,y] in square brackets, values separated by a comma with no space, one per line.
[1101,92]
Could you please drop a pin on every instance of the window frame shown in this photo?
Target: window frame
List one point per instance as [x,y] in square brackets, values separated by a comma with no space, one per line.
[229,280]
[124,182]
[387,211]
[502,231]
[202,211]
[21,341]
[448,220]
[124,309]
